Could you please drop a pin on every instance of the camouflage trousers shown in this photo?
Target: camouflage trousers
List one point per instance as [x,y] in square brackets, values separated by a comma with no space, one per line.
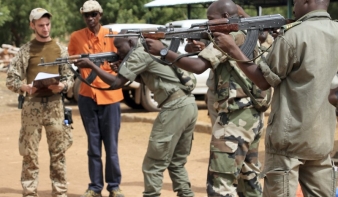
[210,104]
[34,116]
[168,148]
[233,164]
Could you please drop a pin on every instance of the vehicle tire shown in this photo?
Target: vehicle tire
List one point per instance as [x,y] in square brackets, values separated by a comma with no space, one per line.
[147,100]
[129,99]
[76,89]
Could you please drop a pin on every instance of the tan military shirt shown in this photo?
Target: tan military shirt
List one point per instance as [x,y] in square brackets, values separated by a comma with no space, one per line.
[300,67]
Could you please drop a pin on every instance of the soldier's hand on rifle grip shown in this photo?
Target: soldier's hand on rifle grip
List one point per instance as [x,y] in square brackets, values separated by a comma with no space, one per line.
[115,65]
[225,41]
[194,46]
[154,46]
[83,63]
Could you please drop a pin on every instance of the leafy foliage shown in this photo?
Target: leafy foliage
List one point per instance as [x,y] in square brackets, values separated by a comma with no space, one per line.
[66,18]
[4,14]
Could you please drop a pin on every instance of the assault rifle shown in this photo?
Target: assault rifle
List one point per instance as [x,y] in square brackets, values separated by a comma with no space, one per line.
[157,33]
[253,25]
[96,58]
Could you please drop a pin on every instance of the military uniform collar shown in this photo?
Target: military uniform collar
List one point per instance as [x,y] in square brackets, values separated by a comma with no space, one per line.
[315,14]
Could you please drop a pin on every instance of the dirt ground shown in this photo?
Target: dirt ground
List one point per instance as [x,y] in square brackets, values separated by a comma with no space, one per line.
[132,146]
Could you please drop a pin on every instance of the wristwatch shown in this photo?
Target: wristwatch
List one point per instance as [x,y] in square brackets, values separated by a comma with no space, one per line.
[163,53]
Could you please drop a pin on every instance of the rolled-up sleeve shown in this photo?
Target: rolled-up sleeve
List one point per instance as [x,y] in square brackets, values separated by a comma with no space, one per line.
[214,56]
[279,62]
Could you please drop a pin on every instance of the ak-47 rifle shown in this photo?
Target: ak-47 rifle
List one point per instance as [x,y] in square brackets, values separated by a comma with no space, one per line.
[157,33]
[253,25]
[96,58]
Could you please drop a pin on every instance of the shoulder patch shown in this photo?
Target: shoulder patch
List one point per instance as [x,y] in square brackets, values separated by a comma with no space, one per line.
[286,27]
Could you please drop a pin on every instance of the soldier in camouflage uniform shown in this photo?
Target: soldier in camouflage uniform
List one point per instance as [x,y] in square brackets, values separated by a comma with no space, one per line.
[300,68]
[233,164]
[171,137]
[198,45]
[41,107]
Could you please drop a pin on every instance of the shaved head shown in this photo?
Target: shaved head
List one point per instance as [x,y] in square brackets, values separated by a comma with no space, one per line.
[132,40]
[222,9]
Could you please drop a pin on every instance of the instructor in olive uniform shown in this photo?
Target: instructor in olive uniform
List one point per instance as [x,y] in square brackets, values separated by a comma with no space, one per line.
[172,133]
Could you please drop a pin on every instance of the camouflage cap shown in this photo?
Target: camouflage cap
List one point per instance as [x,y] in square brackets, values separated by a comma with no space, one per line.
[37,13]
[91,6]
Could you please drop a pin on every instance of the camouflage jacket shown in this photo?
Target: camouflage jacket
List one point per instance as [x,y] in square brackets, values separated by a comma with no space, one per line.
[16,74]
[229,94]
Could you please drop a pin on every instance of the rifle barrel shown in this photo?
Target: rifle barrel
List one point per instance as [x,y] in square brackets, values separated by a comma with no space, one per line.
[122,35]
[50,63]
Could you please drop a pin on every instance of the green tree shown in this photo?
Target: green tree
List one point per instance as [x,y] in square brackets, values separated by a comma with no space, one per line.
[4,14]
[333,10]
[17,30]
[67,18]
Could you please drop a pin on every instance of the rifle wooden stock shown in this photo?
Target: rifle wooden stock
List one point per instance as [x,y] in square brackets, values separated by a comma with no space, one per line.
[225,28]
[72,57]
[155,36]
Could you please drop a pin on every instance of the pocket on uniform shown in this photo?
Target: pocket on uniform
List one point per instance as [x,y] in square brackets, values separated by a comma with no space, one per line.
[222,156]
[158,147]
[277,182]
